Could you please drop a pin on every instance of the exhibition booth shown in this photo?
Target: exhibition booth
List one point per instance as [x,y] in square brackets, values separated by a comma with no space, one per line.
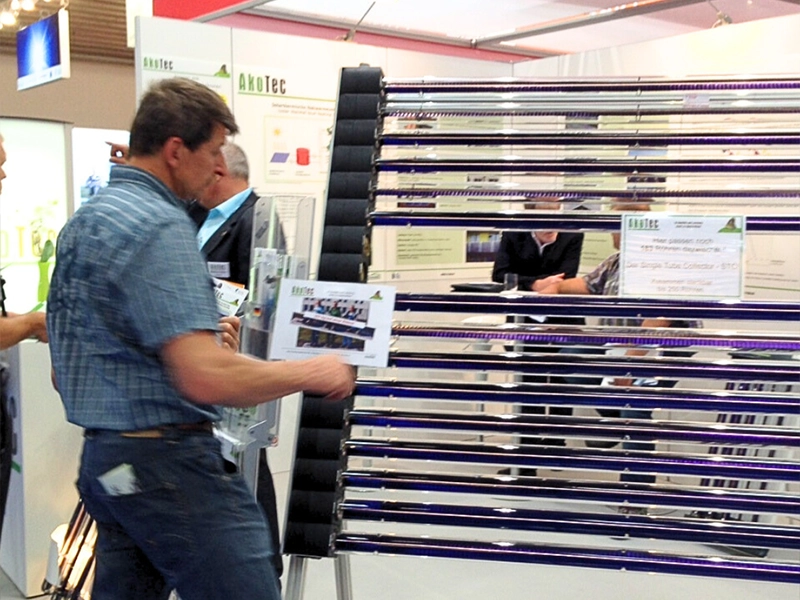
[443,185]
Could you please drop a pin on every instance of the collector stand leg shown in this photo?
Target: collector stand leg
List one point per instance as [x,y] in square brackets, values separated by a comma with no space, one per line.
[296,578]
[344,584]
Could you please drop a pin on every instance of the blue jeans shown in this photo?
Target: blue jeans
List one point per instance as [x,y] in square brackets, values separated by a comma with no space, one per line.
[188,526]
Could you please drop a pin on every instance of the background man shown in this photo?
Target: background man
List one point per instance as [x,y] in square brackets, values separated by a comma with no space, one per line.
[539,258]
[133,327]
[224,215]
[604,280]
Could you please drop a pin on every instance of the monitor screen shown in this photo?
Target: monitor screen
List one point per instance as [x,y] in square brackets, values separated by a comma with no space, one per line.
[43,51]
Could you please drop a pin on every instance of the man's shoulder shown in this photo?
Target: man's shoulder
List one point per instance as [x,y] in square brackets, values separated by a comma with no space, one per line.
[517,237]
[122,214]
[610,263]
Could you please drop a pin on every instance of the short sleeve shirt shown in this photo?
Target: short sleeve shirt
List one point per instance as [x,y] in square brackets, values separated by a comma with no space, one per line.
[604,281]
[128,279]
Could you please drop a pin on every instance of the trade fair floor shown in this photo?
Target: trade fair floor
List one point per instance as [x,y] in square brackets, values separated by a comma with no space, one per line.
[379,577]
[404,578]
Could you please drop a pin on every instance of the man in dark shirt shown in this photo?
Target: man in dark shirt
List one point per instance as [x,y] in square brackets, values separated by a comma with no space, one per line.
[224,216]
[540,259]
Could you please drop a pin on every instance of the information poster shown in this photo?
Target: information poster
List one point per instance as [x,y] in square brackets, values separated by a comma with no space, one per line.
[215,74]
[682,256]
[351,320]
[297,133]
[420,247]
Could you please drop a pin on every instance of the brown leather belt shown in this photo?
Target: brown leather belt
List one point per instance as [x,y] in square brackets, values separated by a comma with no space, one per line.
[165,430]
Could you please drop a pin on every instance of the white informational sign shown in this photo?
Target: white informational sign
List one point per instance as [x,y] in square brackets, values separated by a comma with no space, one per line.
[351,320]
[682,256]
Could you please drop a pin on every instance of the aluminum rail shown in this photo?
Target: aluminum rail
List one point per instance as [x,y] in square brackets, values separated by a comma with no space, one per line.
[616,461]
[640,166]
[626,526]
[530,426]
[566,194]
[733,401]
[633,85]
[723,500]
[598,306]
[571,336]
[584,138]
[598,366]
[647,561]
[529,220]
[421,109]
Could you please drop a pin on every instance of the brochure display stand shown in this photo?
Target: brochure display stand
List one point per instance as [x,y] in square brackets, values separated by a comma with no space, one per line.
[430,445]
[280,249]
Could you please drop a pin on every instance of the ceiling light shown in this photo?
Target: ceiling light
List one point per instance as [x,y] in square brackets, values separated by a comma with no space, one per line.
[8,18]
[28,5]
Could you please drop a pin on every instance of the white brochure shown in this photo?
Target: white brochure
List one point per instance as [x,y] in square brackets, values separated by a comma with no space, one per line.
[352,320]
[230,297]
[682,256]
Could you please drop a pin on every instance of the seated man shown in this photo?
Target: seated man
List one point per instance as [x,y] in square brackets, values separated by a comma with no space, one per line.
[540,259]
[604,280]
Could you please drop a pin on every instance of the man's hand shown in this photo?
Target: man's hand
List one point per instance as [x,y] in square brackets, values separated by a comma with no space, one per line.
[229,333]
[38,323]
[119,153]
[545,282]
[329,377]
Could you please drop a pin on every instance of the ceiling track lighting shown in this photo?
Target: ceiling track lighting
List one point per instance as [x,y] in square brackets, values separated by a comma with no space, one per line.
[11,9]
[351,34]
[722,18]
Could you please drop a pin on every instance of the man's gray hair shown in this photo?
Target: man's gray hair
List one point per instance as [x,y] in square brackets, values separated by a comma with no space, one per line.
[236,161]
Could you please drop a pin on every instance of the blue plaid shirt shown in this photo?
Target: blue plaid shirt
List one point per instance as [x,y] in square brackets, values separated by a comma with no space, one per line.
[128,278]
[604,281]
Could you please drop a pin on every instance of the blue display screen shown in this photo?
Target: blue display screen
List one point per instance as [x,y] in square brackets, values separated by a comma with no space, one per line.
[39,51]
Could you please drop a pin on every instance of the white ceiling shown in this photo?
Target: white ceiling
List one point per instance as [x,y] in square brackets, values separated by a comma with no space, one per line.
[461,21]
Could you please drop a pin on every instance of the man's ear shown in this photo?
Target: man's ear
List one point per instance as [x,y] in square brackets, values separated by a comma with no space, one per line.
[172,151]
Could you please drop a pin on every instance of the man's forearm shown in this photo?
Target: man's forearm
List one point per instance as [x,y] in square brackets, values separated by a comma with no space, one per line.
[207,374]
[17,328]
[575,286]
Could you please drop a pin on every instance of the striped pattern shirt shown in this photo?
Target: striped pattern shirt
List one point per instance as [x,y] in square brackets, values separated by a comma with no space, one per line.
[128,278]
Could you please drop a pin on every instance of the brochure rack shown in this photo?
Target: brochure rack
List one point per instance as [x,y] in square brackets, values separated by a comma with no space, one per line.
[281,247]
[431,445]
